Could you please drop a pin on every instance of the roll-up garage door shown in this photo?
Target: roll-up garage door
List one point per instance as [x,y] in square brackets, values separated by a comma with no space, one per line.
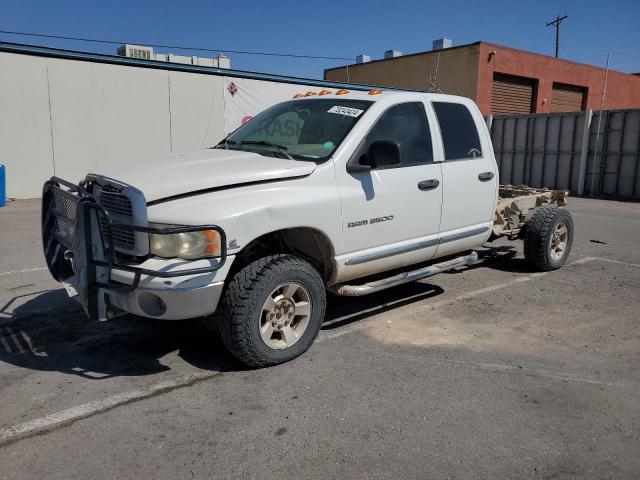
[566,98]
[511,95]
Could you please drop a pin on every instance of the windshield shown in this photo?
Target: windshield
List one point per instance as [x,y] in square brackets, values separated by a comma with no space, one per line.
[299,129]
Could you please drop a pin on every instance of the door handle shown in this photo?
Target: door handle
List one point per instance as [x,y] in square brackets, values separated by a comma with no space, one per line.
[429,184]
[485,176]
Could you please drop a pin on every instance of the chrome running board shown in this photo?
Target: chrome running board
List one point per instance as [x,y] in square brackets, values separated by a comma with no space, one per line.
[405,277]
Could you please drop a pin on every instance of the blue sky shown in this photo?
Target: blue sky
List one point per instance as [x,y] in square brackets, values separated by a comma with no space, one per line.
[333,28]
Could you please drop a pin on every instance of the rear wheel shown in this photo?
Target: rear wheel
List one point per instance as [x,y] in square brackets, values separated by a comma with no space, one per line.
[548,238]
[272,310]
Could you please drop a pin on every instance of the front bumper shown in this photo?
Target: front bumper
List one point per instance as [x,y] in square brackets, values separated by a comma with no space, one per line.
[169,304]
[79,247]
[178,298]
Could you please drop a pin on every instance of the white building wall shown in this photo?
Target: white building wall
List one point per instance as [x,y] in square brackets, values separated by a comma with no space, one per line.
[106,116]
[69,118]
[197,111]
[25,129]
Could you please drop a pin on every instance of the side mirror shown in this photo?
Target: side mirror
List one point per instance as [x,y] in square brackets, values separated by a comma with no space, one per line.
[382,153]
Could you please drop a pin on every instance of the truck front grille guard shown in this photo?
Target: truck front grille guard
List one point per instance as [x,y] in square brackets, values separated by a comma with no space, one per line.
[85,204]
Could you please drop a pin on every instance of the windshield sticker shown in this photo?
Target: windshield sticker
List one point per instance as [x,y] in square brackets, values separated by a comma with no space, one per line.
[351,112]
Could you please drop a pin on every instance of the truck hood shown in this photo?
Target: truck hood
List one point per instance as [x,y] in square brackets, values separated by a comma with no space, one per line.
[209,169]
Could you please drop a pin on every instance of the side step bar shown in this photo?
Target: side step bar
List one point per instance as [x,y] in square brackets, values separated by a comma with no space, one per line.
[405,277]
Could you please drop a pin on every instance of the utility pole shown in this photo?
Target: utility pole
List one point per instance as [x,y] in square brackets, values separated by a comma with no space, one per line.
[557,23]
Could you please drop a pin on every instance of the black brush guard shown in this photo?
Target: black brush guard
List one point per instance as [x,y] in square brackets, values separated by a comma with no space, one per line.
[79,247]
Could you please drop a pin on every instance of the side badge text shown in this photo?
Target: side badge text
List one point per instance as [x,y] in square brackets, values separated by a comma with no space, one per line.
[371,221]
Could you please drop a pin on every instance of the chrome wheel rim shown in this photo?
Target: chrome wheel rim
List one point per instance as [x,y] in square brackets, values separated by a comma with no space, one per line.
[559,241]
[285,315]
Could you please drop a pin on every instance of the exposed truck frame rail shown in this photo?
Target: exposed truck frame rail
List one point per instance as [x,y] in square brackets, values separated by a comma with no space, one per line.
[516,205]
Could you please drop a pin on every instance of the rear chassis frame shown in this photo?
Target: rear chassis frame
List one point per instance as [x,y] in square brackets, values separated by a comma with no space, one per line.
[92,257]
[516,205]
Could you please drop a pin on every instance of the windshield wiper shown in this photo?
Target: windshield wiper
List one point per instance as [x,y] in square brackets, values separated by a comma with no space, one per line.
[224,143]
[280,148]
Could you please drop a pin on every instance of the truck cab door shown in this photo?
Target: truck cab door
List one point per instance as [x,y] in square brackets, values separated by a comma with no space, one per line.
[390,213]
[469,174]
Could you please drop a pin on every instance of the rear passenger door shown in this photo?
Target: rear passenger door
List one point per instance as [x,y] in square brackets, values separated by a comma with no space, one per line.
[469,177]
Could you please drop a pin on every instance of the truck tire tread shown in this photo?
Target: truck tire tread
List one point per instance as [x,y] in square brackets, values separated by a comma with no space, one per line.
[538,236]
[242,298]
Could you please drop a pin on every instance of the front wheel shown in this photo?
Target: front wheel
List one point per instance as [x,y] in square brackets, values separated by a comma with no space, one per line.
[272,310]
[548,238]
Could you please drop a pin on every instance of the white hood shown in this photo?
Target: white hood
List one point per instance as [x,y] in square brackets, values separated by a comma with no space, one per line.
[209,169]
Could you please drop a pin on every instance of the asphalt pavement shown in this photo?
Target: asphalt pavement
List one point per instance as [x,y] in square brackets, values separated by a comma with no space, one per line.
[494,371]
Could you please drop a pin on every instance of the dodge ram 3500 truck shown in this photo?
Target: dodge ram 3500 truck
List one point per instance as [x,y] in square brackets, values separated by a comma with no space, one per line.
[341,191]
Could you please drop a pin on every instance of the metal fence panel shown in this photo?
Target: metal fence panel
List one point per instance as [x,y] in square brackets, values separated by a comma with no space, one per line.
[539,149]
[614,154]
[594,158]
[548,150]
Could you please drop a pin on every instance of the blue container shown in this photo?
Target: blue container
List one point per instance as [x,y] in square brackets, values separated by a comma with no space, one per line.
[2,186]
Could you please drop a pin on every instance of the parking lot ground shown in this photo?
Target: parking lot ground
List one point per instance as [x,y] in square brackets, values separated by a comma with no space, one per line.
[493,371]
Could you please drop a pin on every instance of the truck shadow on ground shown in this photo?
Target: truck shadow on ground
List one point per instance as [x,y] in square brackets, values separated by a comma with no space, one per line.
[49,332]
[61,338]
[342,311]
[504,258]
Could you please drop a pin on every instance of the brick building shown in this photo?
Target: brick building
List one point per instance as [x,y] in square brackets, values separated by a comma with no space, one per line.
[501,80]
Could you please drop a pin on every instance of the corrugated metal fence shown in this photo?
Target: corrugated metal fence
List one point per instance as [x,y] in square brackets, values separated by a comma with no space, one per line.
[584,152]
[613,166]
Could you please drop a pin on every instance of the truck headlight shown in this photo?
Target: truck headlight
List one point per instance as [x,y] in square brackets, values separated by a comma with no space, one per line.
[189,245]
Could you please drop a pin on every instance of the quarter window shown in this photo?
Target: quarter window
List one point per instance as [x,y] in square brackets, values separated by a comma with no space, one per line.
[406,124]
[459,132]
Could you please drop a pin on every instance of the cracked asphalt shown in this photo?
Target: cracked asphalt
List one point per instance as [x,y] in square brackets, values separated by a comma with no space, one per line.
[494,371]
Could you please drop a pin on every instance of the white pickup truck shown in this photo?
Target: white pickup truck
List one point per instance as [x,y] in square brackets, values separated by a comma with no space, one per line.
[340,191]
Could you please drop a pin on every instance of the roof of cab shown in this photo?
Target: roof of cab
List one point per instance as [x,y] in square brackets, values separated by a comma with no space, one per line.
[373,95]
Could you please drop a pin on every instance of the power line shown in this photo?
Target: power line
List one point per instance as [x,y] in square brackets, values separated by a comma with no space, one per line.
[174,47]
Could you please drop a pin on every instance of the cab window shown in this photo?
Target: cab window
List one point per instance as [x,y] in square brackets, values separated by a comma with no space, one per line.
[459,132]
[407,125]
